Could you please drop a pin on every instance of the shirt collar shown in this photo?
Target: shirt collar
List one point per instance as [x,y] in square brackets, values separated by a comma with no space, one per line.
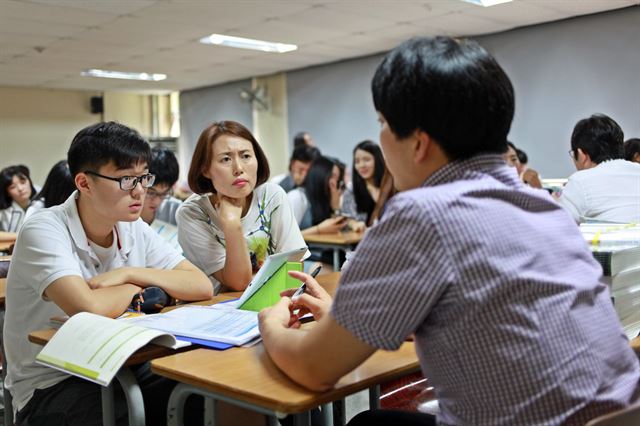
[79,236]
[474,167]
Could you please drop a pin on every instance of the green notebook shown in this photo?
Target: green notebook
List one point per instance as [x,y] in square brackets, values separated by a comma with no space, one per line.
[269,293]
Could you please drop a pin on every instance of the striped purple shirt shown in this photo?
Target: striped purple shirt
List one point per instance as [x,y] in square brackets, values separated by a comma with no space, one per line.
[512,325]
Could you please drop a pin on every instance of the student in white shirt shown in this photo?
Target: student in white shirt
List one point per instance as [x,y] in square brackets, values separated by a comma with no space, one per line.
[56,189]
[606,187]
[164,166]
[236,218]
[16,193]
[90,254]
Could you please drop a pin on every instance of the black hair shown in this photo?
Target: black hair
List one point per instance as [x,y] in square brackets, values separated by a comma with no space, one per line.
[631,148]
[364,202]
[600,137]
[164,165]
[522,156]
[58,186]
[316,187]
[6,178]
[98,144]
[510,145]
[299,139]
[453,90]
[304,153]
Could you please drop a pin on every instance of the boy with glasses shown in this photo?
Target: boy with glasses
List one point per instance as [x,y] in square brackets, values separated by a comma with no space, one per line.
[89,254]
[160,207]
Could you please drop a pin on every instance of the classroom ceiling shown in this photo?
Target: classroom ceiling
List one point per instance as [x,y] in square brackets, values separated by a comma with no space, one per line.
[47,43]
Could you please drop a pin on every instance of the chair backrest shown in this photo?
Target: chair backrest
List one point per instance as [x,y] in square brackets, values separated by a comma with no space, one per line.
[629,416]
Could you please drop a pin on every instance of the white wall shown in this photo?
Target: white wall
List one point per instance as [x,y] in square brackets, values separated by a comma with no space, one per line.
[36,126]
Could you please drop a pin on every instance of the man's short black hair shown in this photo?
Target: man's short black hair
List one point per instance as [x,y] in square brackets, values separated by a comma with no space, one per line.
[600,137]
[631,148]
[304,153]
[98,144]
[453,90]
[164,165]
[300,139]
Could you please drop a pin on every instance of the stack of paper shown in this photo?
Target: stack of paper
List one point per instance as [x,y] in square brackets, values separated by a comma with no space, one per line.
[617,248]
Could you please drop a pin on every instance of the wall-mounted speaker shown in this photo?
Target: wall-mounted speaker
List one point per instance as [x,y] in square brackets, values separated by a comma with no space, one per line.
[97,105]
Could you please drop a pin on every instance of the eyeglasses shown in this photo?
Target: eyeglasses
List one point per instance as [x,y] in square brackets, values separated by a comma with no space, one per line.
[128,183]
[152,193]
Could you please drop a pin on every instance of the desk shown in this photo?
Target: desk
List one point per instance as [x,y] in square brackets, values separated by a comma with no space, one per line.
[336,242]
[247,377]
[3,290]
[4,245]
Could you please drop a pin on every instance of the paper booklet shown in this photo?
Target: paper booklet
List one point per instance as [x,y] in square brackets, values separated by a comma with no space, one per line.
[95,347]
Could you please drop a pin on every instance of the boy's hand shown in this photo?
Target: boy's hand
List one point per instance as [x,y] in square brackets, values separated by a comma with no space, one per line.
[315,299]
[278,314]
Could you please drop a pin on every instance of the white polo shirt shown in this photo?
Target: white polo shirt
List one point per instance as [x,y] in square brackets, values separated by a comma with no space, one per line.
[52,244]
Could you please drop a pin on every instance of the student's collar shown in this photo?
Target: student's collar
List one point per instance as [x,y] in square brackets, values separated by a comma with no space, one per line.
[79,236]
[482,162]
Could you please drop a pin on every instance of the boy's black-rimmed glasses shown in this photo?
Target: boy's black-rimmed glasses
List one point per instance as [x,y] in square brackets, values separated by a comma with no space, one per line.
[127,183]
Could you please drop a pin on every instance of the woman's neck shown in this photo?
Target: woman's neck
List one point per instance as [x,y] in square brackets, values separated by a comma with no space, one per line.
[24,204]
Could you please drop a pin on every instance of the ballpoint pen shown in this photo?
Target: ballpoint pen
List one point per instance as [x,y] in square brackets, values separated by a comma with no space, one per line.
[303,287]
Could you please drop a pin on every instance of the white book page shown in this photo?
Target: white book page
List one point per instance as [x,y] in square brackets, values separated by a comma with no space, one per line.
[95,347]
[217,323]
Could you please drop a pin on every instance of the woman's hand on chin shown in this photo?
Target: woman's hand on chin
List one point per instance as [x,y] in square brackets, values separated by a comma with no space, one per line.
[229,210]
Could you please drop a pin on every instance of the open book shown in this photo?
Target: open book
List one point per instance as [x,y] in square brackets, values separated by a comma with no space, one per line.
[95,347]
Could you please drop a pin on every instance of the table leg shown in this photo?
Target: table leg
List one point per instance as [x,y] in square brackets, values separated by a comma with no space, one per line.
[374,397]
[339,413]
[107,406]
[135,403]
[209,412]
[327,414]
[302,419]
[336,259]
[175,407]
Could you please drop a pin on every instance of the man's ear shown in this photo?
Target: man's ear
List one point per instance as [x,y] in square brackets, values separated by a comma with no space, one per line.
[636,157]
[422,145]
[583,158]
[82,183]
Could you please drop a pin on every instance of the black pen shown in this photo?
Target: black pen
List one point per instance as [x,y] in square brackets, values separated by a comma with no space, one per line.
[303,287]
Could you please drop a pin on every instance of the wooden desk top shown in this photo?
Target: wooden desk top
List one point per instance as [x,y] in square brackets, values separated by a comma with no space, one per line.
[3,290]
[248,374]
[4,245]
[339,238]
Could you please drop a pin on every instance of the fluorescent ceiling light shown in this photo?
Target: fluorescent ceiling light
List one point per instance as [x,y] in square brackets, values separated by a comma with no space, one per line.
[124,75]
[487,3]
[247,43]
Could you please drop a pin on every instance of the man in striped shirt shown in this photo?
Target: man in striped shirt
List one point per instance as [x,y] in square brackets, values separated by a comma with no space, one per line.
[511,323]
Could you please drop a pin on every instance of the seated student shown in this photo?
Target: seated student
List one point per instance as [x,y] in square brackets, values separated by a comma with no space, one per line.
[299,165]
[360,197]
[16,193]
[236,218]
[632,150]
[160,204]
[605,187]
[527,175]
[318,198]
[511,323]
[159,209]
[89,254]
[58,186]
[303,138]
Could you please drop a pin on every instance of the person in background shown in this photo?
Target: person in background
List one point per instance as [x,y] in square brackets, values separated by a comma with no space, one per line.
[160,204]
[632,150]
[490,277]
[527,175]
[159,209]
[236,218]
[523,160]
[605,187]
[16,193]
[58,186]
[317,200]
[303,138]
[299,164]
[360,197]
